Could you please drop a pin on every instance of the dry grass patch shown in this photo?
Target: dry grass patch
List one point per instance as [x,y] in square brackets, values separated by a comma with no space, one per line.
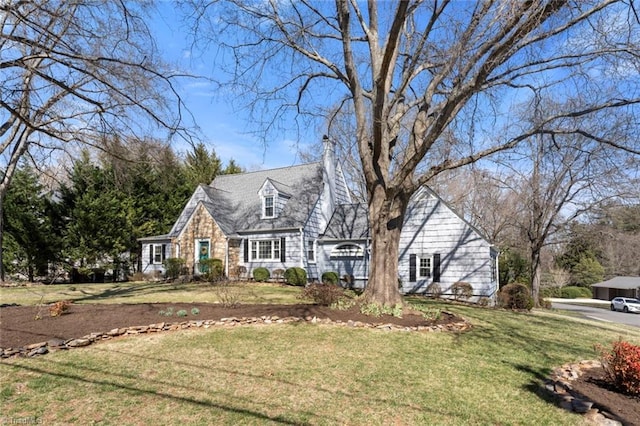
[149,292]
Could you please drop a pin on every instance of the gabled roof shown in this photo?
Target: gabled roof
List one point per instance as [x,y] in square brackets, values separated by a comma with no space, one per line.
[234,203]
[349,222]
[622,283]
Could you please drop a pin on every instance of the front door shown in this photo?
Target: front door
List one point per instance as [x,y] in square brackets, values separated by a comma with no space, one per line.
[203,253]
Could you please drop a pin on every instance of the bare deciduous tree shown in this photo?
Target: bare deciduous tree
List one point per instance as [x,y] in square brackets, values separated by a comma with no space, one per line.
[413,70]
[73,71]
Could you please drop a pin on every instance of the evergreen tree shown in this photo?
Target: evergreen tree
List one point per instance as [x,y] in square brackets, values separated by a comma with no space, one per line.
[30,242]
[97,214]
[587,271]
[232,168]
[201,166]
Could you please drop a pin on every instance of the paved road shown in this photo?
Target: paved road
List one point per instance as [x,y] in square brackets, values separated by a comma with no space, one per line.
[601,314]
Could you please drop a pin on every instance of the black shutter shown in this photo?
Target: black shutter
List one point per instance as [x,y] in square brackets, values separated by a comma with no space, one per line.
[150,254]
[283,255]
[436,268]
[164,252]
[246,250]
[412,268]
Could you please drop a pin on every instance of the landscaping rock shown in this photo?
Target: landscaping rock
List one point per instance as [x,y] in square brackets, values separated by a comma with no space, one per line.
[77,343]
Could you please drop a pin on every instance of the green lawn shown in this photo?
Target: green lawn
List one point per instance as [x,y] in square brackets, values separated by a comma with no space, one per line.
[312,374]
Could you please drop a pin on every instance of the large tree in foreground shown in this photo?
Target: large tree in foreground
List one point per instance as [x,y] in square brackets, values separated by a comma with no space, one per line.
[72,71]
[430,84]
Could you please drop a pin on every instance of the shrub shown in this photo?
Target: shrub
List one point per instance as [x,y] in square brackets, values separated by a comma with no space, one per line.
[324,294]
[228,295]
[173,267]
[181,313]
[574,292]
[434,290]
[261,274]
[515,296]
[330,277]
[58,308]
[348,280]
[376,310]
[195,311]
[295,276]
[212,269]
[622,365]
[461,290]
[166,313]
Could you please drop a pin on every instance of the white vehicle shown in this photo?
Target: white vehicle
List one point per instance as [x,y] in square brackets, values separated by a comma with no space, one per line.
[625,304]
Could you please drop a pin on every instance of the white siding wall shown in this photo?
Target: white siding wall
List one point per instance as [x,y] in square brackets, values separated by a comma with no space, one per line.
[431,227]
[293,252]
[356,267]
[149,268]
[311,232]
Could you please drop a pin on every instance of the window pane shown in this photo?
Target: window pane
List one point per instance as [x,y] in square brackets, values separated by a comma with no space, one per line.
[264,249]
[311,253]
[276,249]
[157,253]
[254,250]
[425,267]
[268,206]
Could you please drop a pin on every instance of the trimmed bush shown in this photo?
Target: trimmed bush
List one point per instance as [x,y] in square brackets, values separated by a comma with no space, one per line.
[330,277]
[574,292]
[212,269]
[173,267]
[434,290]
[295,276]
[461,290]
[261,274]
[515,296]
[622,365]
[325,294]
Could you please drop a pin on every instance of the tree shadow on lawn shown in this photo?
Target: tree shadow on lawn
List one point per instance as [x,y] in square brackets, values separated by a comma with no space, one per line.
[133,290]
[83,373]
[155,393]
[249,375]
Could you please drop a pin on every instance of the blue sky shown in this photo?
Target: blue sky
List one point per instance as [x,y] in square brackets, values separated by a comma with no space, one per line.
[221,128]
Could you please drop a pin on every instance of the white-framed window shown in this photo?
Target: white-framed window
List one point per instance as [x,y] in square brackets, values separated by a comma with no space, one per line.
[265,249]
[269,208]
[347,250]
[424,267]
[311,250]
[157,253]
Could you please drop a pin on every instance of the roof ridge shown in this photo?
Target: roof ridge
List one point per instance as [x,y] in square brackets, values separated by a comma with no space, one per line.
[269,170]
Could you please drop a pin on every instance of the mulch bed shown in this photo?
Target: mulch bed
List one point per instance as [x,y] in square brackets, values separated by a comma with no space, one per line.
[19,325]
[24,325]
[593,385]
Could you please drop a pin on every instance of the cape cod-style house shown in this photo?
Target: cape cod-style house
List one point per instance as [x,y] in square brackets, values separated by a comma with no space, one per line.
[303,216]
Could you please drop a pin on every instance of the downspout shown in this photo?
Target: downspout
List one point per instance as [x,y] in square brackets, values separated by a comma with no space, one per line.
[302,252]
[226,257]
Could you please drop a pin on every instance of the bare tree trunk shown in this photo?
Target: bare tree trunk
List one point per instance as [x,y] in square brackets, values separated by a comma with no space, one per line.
[1,237]
[536,276]
[385,220]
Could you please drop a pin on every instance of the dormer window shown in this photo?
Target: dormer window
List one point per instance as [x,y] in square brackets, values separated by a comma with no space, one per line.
[273,197]
[268,206]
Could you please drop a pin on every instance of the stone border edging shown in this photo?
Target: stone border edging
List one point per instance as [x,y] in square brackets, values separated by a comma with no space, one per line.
[559,386]
[43,348]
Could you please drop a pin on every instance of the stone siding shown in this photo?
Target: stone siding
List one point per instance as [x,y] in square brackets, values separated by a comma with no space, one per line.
[201,226]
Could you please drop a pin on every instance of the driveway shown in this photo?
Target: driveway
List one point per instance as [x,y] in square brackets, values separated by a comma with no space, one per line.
[600,314]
